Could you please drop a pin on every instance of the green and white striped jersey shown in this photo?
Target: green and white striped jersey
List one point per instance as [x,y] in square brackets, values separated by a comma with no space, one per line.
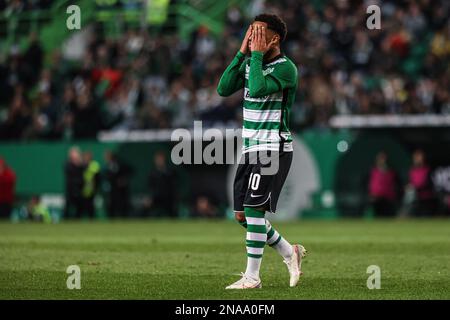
[269,92]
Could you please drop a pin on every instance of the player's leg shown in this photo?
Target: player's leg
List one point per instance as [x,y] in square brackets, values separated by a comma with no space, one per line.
[255,240]
[267,185]
[274,239]
[254,226]
[255,193]
[239,216]
[292,254]
[252,196]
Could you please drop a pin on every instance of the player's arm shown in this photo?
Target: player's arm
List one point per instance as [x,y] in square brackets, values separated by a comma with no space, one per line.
[284,74]
[232,79]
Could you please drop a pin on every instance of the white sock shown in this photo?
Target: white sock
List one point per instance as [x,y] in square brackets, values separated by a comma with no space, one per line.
[276,241]
[253,266]
[284,248]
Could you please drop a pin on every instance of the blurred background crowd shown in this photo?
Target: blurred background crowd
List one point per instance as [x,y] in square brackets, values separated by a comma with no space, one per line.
[424,193]
[157,76]
[141,80]
[88,182]
[17,6]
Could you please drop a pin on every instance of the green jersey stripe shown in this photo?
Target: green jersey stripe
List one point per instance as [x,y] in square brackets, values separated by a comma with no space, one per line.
[287,147]
[261,125]
[274,105]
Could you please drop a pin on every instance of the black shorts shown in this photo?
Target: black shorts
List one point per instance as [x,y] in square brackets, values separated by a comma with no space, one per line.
[259,179]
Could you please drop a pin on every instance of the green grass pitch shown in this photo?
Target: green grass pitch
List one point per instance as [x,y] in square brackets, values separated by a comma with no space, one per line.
[197,259]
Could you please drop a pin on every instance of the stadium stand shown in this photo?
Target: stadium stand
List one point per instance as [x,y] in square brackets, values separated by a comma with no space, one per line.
[147,79]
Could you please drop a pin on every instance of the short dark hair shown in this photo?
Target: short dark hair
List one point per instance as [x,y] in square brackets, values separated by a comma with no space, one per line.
[275,23]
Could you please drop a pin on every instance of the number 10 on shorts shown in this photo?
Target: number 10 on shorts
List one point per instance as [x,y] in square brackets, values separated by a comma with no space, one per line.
[254,180]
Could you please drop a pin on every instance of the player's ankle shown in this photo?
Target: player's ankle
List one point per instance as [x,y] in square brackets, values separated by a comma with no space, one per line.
[253,276]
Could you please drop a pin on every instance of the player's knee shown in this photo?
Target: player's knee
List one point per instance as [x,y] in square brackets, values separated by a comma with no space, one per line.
[239,216]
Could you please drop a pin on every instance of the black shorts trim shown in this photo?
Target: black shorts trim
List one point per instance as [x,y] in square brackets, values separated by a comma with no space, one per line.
[261,204]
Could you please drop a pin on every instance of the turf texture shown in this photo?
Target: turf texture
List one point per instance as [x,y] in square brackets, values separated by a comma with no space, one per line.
[144,259]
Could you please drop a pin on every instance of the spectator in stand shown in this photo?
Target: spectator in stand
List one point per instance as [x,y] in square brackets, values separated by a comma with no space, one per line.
[17,6]
[441,182]
[420,184]
[73,172]
[18,120]
[204,208]
[383,187]
[7,189]
[91,183]
[163,190]
[34,58]
[87,120]
[117,176]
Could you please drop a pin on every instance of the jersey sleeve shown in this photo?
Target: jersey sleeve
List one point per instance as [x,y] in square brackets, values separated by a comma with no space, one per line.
[233,77]
[283,76]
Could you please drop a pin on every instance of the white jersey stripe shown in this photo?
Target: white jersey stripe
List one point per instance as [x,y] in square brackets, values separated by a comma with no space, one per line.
[261,134]
[262,115]
[272,135]
[287,147]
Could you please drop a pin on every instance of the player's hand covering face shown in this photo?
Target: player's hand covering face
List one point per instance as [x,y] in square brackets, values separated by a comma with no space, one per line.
[258,40]
[246,41]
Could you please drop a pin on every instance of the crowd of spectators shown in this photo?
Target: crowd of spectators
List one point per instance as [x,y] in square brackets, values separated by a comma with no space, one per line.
[17,6]
[426,192]
[145,80]
[87,181]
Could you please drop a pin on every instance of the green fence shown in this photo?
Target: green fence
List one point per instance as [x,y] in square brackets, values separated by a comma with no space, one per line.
[40,166]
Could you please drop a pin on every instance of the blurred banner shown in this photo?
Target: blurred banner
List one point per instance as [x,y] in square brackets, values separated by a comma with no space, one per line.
[157,11]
